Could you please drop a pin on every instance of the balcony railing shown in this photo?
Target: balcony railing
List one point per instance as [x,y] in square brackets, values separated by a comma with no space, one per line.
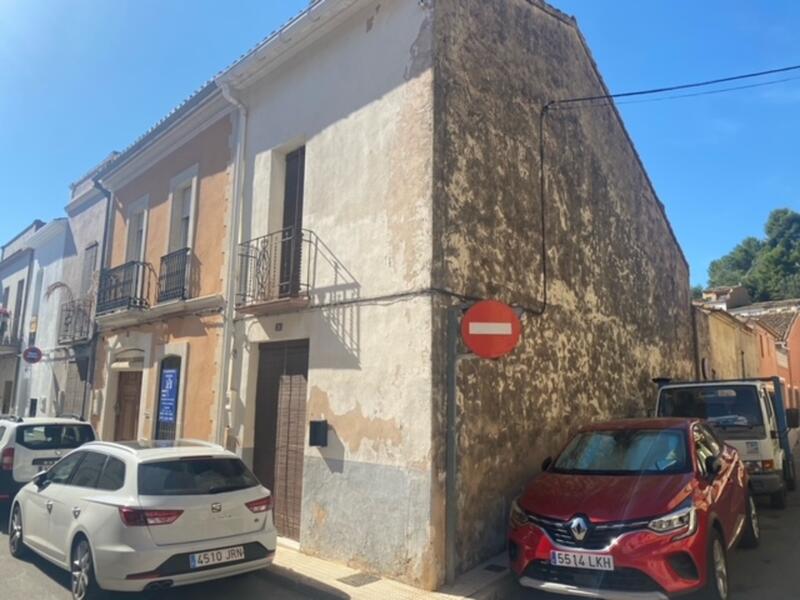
[173,276]
[125,287]
[271,267]
[9,343]
[76,321]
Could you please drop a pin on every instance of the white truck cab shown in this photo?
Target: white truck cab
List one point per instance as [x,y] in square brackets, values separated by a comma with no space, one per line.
[749,414]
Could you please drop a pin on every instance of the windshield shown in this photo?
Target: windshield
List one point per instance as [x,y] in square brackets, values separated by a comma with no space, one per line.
[54,437]
[724,407]
[625,452]
[191,477]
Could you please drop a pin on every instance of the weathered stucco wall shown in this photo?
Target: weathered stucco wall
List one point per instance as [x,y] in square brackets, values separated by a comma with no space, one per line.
[360,100]
[731,349]
[617,283]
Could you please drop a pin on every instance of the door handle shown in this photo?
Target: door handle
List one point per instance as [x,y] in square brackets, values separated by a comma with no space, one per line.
[76,512]
[49,506]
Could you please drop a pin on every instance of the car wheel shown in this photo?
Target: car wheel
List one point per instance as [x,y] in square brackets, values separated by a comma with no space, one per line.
[82,581]
[778,499]
[717,570]
[16,547]
[752,532]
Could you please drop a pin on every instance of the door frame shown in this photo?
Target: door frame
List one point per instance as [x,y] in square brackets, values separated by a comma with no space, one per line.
[118,375]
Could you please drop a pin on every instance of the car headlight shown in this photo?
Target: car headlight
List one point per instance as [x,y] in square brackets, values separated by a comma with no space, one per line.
[753,466]
[518,517]
[683,518]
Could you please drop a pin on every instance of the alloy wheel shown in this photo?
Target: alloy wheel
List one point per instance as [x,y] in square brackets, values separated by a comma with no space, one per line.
[81,570]
[754,517]
[720,570]
[15,537]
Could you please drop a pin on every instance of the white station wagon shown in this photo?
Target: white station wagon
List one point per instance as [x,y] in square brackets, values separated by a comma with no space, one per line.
[148,515]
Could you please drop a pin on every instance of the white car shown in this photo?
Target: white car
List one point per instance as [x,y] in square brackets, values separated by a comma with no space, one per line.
[148,515]
[29,446]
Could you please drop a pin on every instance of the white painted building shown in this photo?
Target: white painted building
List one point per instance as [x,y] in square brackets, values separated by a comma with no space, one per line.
[333,306]
[37,391]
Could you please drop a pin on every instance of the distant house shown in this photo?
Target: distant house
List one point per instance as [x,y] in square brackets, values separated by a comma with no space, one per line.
[726,297]
[727,347]
[781,316]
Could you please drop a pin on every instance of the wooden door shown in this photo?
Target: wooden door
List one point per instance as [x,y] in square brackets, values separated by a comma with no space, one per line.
[129,390]
[280,429]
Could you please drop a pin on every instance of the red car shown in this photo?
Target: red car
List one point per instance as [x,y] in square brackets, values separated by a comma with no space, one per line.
[634,509]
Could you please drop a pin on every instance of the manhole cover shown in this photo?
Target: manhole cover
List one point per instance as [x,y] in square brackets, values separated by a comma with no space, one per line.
[359,579]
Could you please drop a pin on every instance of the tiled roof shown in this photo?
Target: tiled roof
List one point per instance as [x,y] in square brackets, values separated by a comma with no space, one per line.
[780,321]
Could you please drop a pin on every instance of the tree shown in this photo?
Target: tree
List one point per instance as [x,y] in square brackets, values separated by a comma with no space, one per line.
[769,268]
[697,292]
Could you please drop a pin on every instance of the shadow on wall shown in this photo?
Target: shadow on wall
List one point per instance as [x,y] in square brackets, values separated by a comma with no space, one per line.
[333,453]
[336,292]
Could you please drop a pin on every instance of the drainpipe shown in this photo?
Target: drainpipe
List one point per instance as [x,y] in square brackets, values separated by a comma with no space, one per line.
[225,398]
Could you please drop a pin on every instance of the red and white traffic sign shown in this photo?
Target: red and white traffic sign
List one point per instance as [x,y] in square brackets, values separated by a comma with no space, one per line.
[490,328]
[32,355]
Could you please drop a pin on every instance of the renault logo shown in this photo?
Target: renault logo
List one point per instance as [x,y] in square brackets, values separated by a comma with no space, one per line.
[578,528]
[216,507]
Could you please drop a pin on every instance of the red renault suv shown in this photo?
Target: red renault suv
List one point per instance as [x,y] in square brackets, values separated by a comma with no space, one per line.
[634,509]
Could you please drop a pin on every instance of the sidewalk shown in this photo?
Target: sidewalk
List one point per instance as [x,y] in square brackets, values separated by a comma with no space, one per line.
[333,580]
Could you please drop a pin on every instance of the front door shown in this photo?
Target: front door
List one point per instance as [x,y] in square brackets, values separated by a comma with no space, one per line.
[129,390]
[280,429]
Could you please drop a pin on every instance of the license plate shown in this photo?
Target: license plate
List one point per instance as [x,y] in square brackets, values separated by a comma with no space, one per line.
[216,557]
[45,462]
[582,560]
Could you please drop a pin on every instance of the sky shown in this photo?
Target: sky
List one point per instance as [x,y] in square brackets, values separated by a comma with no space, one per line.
[80,78]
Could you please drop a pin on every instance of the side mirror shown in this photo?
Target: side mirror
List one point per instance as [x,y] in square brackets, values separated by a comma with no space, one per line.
[713,466]
[546,463]
[793,418]
[41,479]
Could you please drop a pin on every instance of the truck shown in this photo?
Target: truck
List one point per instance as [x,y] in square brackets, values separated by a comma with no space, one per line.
[749,414]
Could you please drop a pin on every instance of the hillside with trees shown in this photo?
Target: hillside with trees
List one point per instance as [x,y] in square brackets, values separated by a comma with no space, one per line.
[769,267]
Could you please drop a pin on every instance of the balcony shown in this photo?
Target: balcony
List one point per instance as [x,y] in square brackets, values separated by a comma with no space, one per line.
[274,276]
[76,321]
[125,287]
[173,282]
[9,344]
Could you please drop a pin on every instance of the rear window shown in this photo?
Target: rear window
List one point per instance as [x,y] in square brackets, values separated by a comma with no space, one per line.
[54,437]
[724,406]
[194,477]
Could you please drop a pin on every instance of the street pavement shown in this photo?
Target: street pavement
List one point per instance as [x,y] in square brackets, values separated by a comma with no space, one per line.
[770,571]
[767,572]
[37,579]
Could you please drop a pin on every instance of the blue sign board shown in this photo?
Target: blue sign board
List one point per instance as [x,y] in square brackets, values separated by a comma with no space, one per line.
[168,402]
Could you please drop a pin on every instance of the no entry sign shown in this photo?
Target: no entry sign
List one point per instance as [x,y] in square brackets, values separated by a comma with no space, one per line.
[490,329]
[32,355]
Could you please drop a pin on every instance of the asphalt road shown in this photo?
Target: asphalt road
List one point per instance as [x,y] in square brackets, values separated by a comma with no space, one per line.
[767,572]
[36,579]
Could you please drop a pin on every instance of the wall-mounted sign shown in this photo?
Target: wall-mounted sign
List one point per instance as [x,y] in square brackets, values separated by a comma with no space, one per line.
[168,398]
[490,329]
[32,355]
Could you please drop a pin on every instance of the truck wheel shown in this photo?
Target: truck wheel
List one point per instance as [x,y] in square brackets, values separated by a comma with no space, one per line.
[717,569]
[752,532]
[778,499]
[791,481]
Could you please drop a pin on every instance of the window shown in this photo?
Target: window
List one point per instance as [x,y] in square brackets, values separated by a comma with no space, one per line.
[89,268]
[113,476]
[137,230]
[626,452]
[54,437]
[194,477]
[3,323]
[62,470]
[89,470]
[182,211]
[17,324]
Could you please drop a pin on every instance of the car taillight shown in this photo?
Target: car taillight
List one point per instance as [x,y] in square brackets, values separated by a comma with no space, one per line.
[136,517]
[260,505]
[7,460]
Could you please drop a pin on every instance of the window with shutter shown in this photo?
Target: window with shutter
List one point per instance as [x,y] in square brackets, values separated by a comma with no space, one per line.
[89,267]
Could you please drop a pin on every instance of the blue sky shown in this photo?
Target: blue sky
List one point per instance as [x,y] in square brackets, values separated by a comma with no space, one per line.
[81,78]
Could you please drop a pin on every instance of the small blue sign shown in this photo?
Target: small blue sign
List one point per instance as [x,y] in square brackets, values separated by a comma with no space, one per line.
[168,402]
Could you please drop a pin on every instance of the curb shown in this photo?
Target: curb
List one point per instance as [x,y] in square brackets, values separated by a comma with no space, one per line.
[501,589]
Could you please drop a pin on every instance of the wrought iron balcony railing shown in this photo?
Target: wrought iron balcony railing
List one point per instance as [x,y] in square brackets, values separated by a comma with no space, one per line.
[9,343]
[127,286]
[271,267]
[173,283]
[76,321]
